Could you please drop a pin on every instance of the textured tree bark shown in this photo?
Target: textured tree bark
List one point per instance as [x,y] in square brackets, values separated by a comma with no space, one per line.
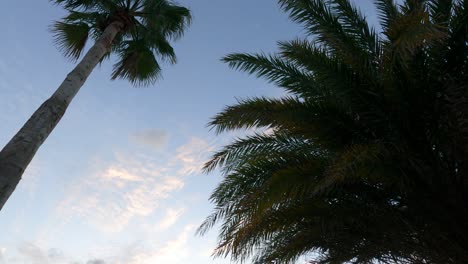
[18,153]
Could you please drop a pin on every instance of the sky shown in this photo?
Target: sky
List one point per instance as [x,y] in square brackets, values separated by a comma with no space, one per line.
[119,179]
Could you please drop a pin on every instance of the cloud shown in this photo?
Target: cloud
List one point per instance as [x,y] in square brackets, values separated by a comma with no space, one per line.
[28,252]
[55,255]
[119,174]
[96,261]
[32,253]
[110,205]
[132,186]
[153,138]
[192,156]
[170,218]
[180,249]
[175,251]
[2,255]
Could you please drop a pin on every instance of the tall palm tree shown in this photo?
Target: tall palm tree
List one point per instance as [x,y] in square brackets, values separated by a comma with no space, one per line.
[136,31]
[366,160]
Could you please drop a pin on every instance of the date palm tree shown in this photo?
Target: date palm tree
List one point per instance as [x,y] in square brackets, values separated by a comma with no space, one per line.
[138,32]
[366,160]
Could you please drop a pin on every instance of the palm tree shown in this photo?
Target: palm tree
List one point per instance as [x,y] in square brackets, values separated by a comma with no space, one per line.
[136,31]
[366,160]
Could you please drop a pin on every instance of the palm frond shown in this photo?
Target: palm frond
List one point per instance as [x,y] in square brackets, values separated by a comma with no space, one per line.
[256,146]
[440,11]
[274,69]
[71,38]
[458,37]
[289,245]
[137,64]
[316,16]
[410,32]
[355,24]
[161,17]
[358,163]
[161,47]
[388,12]
[90,18]
[323,24]
[331,76]
[261,112]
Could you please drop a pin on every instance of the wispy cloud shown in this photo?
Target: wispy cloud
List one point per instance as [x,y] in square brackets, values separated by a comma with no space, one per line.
[170,218]
[175,251]
[110,203]
[192,156]
[181,248]
[56,255]
[120,174]
[128,187]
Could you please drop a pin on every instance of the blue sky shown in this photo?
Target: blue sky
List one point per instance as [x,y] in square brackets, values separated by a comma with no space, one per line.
[118,181]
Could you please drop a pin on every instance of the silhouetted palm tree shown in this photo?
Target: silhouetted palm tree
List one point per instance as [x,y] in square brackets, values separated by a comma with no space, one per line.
[367,159]
[136,31]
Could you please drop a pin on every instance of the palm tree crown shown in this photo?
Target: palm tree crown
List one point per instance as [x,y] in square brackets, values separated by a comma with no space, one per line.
[146,28]
[366,161]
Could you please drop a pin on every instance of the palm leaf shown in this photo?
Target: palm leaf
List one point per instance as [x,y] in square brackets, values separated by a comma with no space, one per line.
[166,19]
[388,13]
[410,32]
[256,146]
[137,64]
[71,38]
[355,24]
[331,76]
[261,112]
[440,10]
[274,69]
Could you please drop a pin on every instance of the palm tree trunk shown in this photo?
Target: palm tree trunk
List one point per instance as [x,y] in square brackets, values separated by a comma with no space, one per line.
[18,153]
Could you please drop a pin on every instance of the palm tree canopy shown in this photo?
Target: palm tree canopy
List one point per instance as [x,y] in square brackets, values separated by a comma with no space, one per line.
[147,27]
[365,160]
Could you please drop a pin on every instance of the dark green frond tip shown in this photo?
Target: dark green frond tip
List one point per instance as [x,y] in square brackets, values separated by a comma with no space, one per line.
[166,18]
[70,38]
[137,64]
[163,48]
[177,20]
[273,68]
[388,12]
